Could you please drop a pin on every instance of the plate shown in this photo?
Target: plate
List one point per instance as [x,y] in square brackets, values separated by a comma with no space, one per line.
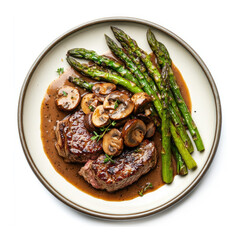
[204,96]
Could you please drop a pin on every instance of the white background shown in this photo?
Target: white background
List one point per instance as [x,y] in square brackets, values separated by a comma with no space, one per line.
[29,211]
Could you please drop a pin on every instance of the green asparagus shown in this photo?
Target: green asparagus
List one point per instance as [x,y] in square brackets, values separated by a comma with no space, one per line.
[100,75]
[163,58]
[167,171]
[181,166]
[81,83]
[102,61]
[189,161]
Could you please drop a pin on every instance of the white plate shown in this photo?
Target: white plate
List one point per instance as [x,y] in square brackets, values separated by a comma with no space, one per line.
[206,111]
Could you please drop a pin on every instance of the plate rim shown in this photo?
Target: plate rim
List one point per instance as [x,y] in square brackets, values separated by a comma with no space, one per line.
[91,212]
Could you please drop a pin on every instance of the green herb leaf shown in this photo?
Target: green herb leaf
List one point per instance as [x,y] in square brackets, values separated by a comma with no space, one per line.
[60,71]
[136,150]
[145,188]
[64,93]
[108,158]
[94,137]
[115,105]
[113,123]
[91,108]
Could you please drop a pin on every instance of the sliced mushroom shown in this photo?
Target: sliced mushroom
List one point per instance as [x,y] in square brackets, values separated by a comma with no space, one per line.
[113,142]
[141,101]
[120,105]
[89,103]
[151,128]
[100,117]
[68,98]
[88,122]
[133,132]
[103,88]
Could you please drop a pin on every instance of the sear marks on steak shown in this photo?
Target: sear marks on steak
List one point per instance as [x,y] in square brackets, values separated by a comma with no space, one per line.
[127,168]
[74,141]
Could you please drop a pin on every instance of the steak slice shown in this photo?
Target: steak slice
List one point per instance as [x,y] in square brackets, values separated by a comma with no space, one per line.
[126,168]
[74,141]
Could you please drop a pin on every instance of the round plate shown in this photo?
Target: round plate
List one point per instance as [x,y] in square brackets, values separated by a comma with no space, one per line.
[90,35]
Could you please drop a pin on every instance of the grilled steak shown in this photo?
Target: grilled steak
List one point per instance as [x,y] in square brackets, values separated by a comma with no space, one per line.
[126,168]
[74,141]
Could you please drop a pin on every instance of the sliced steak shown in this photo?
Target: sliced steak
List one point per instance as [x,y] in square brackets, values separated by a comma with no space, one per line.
[126,168]
[74,141]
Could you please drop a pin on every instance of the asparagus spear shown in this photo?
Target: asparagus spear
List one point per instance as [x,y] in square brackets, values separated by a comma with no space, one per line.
[81,83]
[155,75]
[167,171]
[181,166]
[182,150]
[123,56]
[103,61]
[98,75]
[164,58]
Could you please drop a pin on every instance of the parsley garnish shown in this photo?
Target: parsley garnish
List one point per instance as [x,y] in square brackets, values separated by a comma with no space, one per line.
[116,104]
[104,130]
[145,188]
[91,108]
[60,71]
[64,93]
[108,158]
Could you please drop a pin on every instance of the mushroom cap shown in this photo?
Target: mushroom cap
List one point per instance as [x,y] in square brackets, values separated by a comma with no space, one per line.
[119,104]
[113,142]
[100,118]
[68,98]
[103,88]
[89,103]
[133,132]
[141,101]
[151,128]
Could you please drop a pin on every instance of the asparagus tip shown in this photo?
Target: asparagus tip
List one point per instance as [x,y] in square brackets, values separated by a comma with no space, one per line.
[115,29]
[107,37]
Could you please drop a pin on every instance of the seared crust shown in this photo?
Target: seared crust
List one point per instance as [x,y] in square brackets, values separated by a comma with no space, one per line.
[74,141]
[127,168]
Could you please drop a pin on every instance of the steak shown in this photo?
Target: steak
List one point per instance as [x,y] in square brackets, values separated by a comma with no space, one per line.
[124,170]
[74,141]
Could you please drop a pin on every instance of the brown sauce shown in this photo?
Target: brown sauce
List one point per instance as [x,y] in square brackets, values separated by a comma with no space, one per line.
[50,114]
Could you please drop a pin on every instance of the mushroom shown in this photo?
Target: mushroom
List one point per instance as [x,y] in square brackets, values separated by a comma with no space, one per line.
[103,88]
[88,122]
[100,117]
[141,101]
[151,128]
[113,142]
[89,102]
[133,132]
[119,104]
[68,98]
